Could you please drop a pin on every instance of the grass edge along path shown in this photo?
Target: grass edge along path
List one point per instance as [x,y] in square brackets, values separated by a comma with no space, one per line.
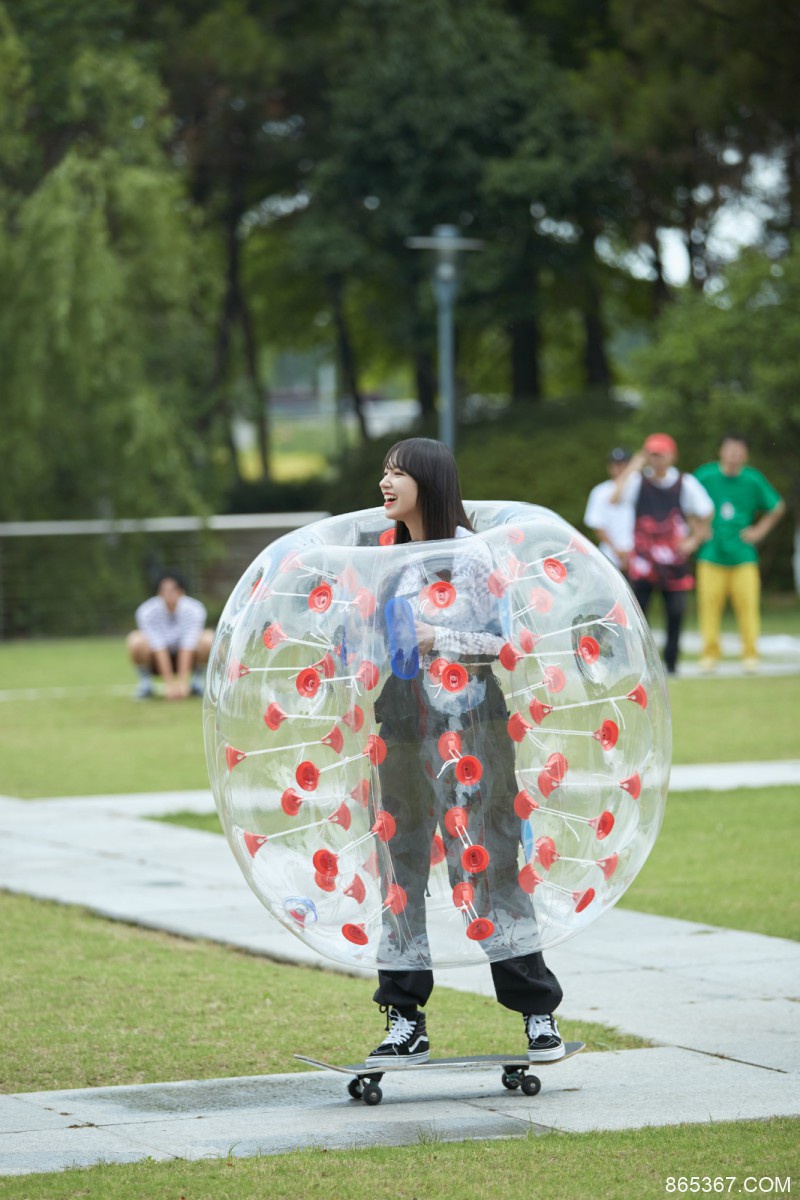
[641,1164]
[89,1002]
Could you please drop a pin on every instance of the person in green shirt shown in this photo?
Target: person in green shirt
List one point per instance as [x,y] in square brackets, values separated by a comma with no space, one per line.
[746,507]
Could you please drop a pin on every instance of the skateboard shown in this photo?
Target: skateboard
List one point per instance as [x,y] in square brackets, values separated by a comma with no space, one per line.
[365,1084]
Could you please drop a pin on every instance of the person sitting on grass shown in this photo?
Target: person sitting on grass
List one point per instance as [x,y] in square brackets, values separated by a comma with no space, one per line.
[170,640]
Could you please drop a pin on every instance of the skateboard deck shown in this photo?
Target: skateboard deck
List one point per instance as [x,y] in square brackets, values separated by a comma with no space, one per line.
[365,1082]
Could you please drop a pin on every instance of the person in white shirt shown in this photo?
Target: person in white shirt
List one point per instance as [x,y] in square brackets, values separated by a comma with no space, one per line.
[170,640]
[672,519]
[422,496]
[612,523]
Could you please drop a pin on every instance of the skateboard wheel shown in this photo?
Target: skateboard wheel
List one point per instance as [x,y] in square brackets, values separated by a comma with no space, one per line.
[355,1089]
[510,1080]
[531,1085]
[372,1094]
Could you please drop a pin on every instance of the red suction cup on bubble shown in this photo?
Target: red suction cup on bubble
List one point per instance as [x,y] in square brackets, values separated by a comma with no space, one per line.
[517,727]
[528,640]
[326,862]
[469,770]
[291,802]
[437,850]
[307,776]
[603,824]
[354,718]
[524,805]
[529,879]
[463,894]
[236,670]
[509,657]
[449,744]
[273,635]
[326,882]
[607,735]
[589,649]
[617,615]
[254,842]
[326,665]
[475,859]
[356,934]
[233,757]
[356,889]
[387,537]
[546,852]
[334,739]
[440,594]
[608,865]
[539,711]
[396,898]
[554,569]
[632,785]
[342,816]
[436,668]
[546,783]
[540,600]
[360,792]
[307,682]
[554,679]
[273,716]
[583,899]
[454,677]
[455,820]
[385,826]
[320,598]
[376,749]
[365,602]
[638,696]
[556,766]
[480,929]
[368,674]
[497,583]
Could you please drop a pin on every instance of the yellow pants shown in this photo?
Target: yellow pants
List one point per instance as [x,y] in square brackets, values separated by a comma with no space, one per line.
[715,586]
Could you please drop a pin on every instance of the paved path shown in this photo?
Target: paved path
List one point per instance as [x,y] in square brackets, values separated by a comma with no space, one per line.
[719,1005]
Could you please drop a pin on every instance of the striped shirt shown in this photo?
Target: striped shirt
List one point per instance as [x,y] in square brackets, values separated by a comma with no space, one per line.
[173,631]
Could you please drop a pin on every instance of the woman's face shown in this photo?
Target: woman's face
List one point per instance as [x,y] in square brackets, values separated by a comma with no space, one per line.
[400,494]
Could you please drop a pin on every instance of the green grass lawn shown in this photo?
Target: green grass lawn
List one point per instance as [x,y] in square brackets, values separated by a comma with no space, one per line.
[725,858]
[560,1166]
[94,1003]
[103,742]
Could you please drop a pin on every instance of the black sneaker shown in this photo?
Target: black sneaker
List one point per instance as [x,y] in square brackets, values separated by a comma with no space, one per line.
[544,1040]
[406,1040]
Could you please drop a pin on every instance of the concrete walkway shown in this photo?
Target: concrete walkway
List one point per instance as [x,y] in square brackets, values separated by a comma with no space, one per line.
[719,1005]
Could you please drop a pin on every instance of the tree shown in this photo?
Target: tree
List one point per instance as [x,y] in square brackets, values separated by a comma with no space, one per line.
[101,323]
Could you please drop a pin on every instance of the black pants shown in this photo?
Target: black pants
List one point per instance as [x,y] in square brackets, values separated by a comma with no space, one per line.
[674,608]
[418,797]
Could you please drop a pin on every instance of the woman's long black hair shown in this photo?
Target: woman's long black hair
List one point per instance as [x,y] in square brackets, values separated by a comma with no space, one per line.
[432,467]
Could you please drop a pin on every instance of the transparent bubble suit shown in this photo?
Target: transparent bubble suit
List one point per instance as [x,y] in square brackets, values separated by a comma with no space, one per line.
[405,807]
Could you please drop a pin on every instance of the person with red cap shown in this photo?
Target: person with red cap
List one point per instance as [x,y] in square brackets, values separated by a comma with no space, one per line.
[672,520]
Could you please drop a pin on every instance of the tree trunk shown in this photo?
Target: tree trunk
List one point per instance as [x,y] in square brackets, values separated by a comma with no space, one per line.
[526,378]
[425,375]
[346,352]
[251,361]
[220,402]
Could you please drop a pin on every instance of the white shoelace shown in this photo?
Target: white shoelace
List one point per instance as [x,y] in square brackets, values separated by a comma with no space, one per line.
[400,1031]
[540,1027]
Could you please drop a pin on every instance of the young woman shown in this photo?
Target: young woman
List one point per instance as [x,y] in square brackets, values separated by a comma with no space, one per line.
[422,496]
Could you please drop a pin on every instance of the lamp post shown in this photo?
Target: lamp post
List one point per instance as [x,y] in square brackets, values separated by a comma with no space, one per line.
[447,244]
